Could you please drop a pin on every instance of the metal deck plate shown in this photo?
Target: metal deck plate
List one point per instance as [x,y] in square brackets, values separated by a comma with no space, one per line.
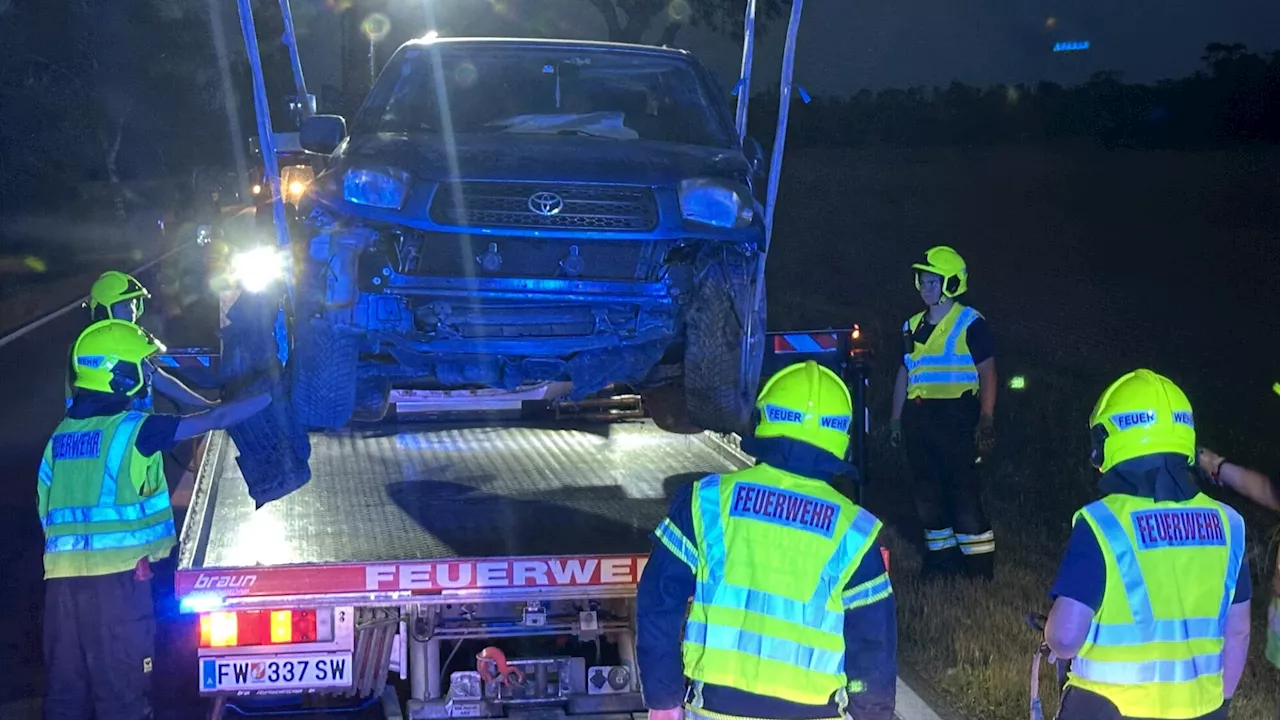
[430,492]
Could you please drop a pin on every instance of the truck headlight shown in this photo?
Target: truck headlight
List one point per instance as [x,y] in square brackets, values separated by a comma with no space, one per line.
[715,202]
[384,188]
[295,179]
[255,269]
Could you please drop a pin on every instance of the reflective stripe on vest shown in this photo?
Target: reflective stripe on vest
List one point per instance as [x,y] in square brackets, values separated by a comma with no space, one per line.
[107,510]
[110,540]
[1145,628]
[677,543]
[948,367]
[813,614]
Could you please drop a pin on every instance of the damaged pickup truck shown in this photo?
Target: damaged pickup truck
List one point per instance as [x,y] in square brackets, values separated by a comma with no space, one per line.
[504,213]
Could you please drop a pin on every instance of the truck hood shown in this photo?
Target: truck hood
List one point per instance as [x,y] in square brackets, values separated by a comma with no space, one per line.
[542,158]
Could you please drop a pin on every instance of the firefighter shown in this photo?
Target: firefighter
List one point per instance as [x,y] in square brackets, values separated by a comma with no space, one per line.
[104,506]
[792,611]
[1266,492]
[117,295]
[1151,602]
[943,405]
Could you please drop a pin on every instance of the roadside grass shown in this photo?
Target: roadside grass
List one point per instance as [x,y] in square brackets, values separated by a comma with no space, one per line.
[1087,265]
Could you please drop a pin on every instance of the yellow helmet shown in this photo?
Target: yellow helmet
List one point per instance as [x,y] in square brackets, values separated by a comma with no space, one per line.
[942,260]
[113,287]
[1142,413]
[809,403]
[108,357]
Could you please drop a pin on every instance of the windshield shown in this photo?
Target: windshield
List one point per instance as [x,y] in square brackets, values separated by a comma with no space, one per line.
[580,92]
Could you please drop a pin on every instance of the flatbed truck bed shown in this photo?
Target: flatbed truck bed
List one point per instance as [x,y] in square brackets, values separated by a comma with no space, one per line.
[418,492]
[520,540]
[413,537]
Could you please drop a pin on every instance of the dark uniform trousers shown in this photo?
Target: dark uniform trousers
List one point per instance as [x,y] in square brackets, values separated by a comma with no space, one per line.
[1080,704]
[99,641]
[939,440]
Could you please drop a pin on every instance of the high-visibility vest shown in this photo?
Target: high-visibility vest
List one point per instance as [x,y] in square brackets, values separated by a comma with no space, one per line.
[941,367]
[103,505]
[1154,648]
[772,553]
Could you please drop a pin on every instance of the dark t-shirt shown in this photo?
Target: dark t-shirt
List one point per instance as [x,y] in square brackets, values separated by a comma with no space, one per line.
[982,343]
[157,434]
[1083,573]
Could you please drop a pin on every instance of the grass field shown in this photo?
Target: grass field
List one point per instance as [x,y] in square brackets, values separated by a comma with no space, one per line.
[1087,264]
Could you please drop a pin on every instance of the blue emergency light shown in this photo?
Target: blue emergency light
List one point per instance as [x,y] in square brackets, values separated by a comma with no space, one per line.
[1071,46]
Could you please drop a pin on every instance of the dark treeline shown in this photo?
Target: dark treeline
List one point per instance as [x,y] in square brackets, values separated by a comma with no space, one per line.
[1235,99]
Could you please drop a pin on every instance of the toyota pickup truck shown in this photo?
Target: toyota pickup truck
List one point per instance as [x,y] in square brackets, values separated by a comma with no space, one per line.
[502,212]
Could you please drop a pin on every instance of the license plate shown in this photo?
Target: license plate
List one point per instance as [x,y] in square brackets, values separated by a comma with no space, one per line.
[275,672]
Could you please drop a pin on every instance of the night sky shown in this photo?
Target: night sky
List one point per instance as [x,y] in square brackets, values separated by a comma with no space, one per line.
[845,46]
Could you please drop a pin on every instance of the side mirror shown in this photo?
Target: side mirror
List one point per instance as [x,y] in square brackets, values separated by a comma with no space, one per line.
[321,134]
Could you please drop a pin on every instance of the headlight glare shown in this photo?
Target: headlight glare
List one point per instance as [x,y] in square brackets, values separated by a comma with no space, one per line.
[256,269]
[382,188]
[295,179]
[715,202]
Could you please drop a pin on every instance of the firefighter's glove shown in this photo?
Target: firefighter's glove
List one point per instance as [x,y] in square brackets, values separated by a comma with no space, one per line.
[895,433]
[985,436]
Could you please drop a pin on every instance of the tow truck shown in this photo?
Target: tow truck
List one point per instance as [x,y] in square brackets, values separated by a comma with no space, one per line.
[482,546]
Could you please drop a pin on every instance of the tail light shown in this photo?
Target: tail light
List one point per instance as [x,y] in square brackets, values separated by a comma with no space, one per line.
[263,627]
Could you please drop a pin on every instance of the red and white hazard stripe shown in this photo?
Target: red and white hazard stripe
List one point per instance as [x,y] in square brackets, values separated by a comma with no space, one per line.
[787,343]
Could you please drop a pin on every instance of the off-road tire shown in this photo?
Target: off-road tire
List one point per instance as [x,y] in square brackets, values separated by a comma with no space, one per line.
[324,374]
[716,398]
[373,399]
[273,450]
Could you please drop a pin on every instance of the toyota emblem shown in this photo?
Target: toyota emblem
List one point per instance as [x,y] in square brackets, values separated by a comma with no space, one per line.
[546,203]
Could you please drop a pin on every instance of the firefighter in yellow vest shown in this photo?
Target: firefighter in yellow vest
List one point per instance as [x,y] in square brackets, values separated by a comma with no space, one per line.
[943,405]
[104,506]
[119,296]
[792,613]
[1151,602]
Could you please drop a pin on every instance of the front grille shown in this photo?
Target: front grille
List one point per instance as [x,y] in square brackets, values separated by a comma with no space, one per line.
[543,205]
[449,255]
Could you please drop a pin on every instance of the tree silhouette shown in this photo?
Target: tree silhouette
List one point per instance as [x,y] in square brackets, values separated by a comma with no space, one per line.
[631,20]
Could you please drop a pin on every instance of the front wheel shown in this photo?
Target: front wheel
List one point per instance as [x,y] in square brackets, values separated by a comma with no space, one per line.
[723,354]
[324,374]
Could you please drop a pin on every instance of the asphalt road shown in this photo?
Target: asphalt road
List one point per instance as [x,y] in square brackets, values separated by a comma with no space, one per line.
[181,314]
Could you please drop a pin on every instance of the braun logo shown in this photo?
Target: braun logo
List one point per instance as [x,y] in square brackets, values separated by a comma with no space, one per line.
[223,582]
